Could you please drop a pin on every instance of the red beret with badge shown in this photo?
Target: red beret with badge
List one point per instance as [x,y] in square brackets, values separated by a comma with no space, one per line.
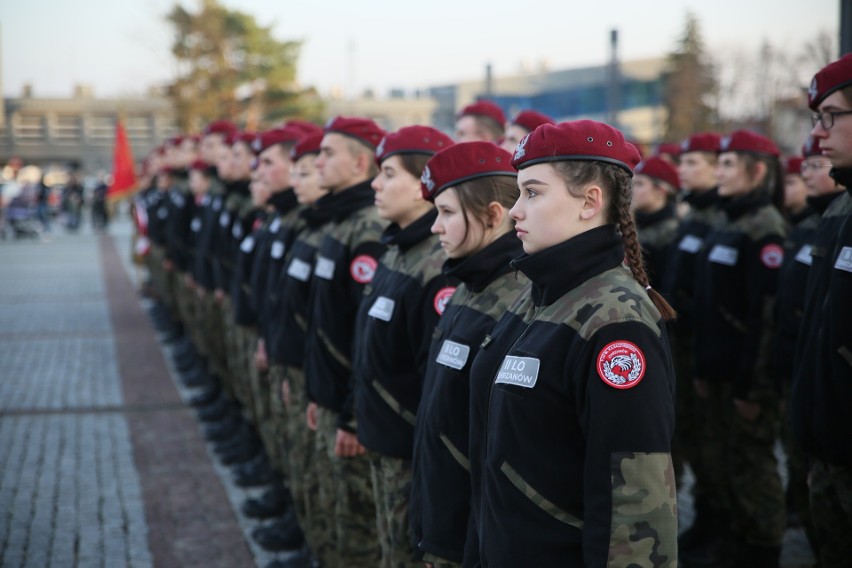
[201,165]
[309,144]
[832,77]
[811,147]
[246,138]
[749,142]
[285,135]
[486,109]
[670,148]
[225,127]
[701,142]
[793,165]
[585,140]
[659,169]
[530,120]
[362,129]
[412,140]
[464,162]
[303,125]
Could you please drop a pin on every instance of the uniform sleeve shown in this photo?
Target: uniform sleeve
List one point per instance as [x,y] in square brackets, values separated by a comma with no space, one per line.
[764,259]
[625,399]
[424,317]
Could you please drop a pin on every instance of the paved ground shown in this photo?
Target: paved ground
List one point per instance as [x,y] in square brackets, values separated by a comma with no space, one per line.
[101,463]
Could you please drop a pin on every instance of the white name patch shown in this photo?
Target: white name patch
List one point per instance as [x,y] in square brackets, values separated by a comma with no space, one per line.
[324,268]
[277,250]
[453,355]
[237,230]
[275,225]
[247,245]
[195,225]
[162,213]
[722,254]
[804,255]
[690,244]
[844,259]
[519,371]
[224,219]
[299,269]
[382,309]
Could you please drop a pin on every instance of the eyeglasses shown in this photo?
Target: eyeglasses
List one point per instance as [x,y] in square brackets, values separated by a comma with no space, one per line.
[814,165]
[826,118]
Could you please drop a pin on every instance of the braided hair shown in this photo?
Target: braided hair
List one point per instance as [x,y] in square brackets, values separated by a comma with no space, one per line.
[617,186]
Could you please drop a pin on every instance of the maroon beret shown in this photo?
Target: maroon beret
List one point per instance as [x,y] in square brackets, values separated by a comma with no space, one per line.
[577,140]
[463,162]
[701,142]
[176,140]
[362,129]
[246,138]
[793,165]
[748,142]
[308,144]
[285,135]
[830,78]
[412,140]
[811,147]
[670,148]
[659,169]
[530,119]
[486,109]
[225,127]
[201,165]
[303,125]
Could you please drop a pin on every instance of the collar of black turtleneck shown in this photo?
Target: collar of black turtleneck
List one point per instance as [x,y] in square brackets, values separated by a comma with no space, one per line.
[239,187]
[820,203]
[796,218]
[480,269]
[283,201]
[703,199]
[339,205]
[842,176]
[561,268]
[418,231]
[645,220]
[744,204]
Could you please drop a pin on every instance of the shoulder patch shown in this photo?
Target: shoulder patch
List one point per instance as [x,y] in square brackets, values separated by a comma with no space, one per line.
[442,298]
[363,268]
[621,364]
[771,255]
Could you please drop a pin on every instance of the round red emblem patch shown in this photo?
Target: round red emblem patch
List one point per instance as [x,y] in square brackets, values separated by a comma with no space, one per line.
[621,364]
[363,268]
[771,256]
[442,297]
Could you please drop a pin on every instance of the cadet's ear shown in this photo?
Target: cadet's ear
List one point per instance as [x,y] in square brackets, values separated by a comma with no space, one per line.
[593,202]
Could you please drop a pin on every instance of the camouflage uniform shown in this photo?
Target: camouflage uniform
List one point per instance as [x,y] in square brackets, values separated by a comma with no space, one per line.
[736,281]
[440,488]
[656,232]
[570,448]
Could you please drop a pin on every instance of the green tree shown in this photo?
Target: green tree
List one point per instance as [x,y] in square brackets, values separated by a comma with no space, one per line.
[229,66]
[689,85]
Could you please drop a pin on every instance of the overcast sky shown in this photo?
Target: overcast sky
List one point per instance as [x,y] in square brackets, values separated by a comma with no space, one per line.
[120,47]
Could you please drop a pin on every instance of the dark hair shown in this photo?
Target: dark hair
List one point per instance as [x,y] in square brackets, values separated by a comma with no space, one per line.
[477,194]
[617,186]
[414,163]
[773,182]
[847,94]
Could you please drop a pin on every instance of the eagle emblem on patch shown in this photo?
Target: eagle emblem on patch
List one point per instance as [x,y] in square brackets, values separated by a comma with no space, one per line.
[442,298]
[363,268]
[725,143]
[427,180]
[621,364]
[772,256]
[521,149]
[812,90]
[380,149]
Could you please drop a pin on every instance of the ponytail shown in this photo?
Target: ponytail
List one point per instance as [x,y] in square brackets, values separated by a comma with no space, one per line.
[617,184]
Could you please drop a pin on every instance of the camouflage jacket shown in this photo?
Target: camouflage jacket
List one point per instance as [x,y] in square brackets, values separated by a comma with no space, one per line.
[657,232]
[394,325]
[439,506]
[346,262]
[822,388]
[735,285]
[572,415]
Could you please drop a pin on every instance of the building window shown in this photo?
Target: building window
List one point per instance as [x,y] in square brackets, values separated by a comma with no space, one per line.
[68,129]
[138,128]
[101,128]
[29,128]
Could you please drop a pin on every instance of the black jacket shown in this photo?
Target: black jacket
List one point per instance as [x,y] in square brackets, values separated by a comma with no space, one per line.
[657,232]
[439,507]
[572,415]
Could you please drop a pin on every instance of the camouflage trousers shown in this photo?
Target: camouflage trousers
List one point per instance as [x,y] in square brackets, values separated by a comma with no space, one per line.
[214,337]
[196,326]
[831,504]
[740,466]
[392,489]
[346,501]
[185,304]
[437,562]
[303,479]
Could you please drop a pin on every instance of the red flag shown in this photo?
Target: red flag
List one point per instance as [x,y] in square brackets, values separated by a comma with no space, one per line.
[123,167]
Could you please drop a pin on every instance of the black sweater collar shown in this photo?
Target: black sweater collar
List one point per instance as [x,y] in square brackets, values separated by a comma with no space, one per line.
[744,204]
[283,201]
[338,206]
[239,187]
[483,267]
[418,231]
[562,267]
[644,220]
[702,200]
[820,203]
[843,176]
